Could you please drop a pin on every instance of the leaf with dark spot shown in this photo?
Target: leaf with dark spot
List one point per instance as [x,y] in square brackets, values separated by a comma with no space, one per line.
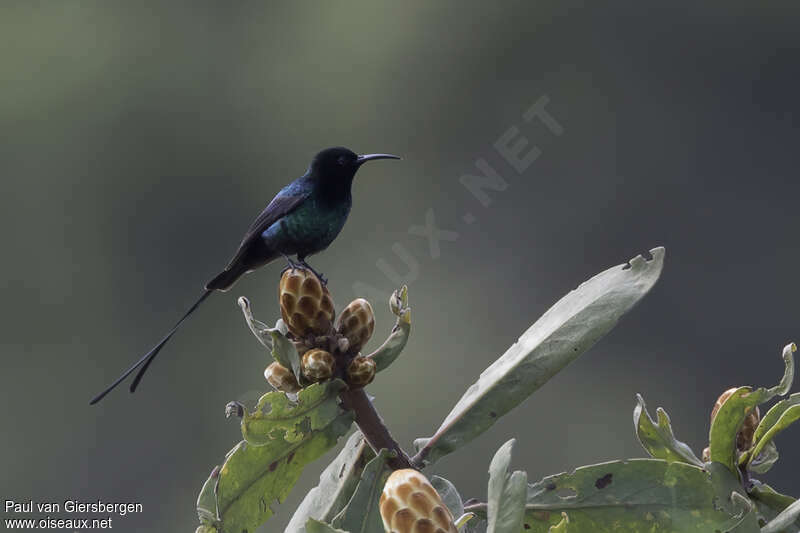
[282,437]
[604,481]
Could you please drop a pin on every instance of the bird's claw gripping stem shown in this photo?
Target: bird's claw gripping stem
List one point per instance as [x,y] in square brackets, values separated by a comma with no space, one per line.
[292,265]
[322,279]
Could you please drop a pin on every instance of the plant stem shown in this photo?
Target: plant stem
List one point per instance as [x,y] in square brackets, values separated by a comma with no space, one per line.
[371,425]
[419,459]
[479,508]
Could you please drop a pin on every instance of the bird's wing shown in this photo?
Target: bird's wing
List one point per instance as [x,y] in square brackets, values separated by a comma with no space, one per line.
[284,203]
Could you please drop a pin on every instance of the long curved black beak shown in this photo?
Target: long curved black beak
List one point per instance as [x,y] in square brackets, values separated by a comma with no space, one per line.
[370,157]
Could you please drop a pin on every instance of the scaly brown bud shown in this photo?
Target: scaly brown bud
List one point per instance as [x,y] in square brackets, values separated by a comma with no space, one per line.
[357,322]
[318,365]
[360,372]
[744,439]
[410,504]
[281,378]
[306,304]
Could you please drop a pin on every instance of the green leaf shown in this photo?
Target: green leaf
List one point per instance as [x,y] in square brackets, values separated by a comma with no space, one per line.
[731,415]
[207,500]
[773,415]
[252,477]
[336,485]
[362,514]
[281,437]
[639,495]
[770,503]
[561,527]
[449,494]
[728,422]
[278,417]
[274,339]
[386,354]
[316,526]
[788,375]
[786,519]
[564,332]
[659,440]
[462,521]
[506,495]
[789,417]
[763,462]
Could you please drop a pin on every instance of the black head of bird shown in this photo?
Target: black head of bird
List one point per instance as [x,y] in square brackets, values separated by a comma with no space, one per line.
[334,168]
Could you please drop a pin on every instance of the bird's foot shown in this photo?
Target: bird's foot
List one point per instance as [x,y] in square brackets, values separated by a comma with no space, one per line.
[292,265]
[319,275]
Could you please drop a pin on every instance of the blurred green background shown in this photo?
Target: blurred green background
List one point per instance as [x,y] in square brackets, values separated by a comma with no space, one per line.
[139,140]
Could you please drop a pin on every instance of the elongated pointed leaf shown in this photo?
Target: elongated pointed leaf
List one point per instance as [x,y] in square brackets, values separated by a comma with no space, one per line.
[386,354]
[639,495]
[362,514]
[506,495]
[658,439]
[564,332]
[274,339]
[336,485]
[772,416]
[729,419]
[789,417]
[277,416]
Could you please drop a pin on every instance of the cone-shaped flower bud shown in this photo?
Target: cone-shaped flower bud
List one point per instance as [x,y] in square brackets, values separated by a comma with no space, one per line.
[317,365]
[281,378]
[410,504]
[360,372]
[744,439]
[306,304]
[356,323]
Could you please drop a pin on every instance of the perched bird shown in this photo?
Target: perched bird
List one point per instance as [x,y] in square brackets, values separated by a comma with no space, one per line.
[303,219]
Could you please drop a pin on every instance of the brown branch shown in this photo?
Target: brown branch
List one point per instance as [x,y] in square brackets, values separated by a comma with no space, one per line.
[371,425]
[418,461]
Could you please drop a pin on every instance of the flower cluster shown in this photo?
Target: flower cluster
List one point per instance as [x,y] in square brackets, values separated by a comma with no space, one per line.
[327,348]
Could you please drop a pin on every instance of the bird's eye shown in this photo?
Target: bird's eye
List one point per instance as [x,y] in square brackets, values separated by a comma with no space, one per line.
[342,161]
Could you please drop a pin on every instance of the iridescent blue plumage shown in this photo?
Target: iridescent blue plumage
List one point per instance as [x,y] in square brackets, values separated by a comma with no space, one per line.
[304,218]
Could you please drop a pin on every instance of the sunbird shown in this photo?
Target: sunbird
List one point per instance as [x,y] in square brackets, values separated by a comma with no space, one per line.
[304,218]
